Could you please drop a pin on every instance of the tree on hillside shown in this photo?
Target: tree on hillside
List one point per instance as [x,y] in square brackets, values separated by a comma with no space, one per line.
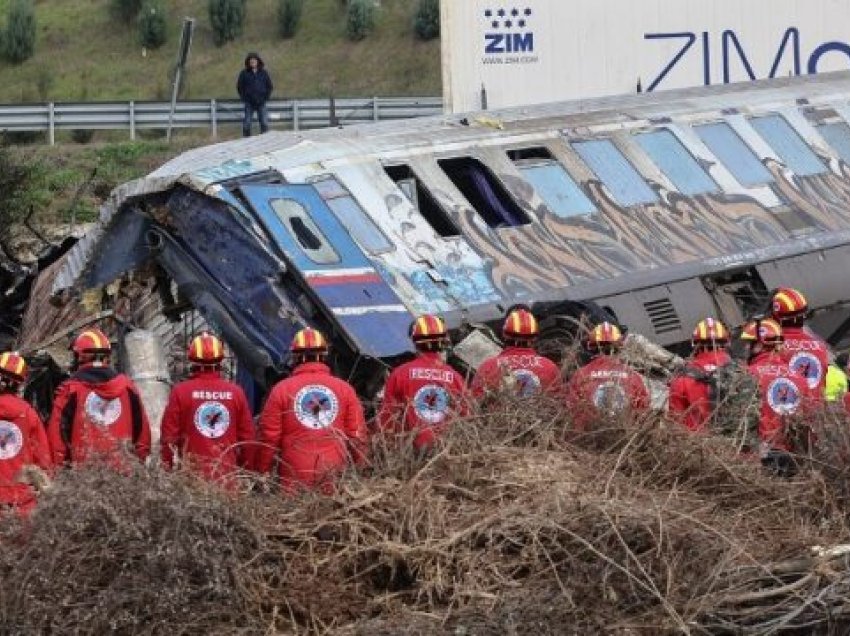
[152,25]
[288,16]
[226,18]
[427,22]
[19,37]
[125,10]
[360,19]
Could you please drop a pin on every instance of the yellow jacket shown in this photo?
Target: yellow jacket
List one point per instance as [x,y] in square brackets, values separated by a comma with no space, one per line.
[836,383]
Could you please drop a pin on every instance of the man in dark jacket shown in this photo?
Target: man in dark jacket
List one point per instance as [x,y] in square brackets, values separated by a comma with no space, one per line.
[255,88]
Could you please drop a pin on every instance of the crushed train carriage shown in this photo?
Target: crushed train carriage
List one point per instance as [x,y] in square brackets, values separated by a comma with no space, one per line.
[660,208]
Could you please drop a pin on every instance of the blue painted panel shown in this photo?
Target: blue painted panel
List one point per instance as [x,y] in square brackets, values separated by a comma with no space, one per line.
[733,153]
[790,147]
[837,135]
[558,189]
[356,294]
[380,335]
[362,228]
[674,160]
[621,178]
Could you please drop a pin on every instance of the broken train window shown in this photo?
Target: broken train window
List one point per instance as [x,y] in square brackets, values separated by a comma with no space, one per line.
[422,200]
[346,208]
[551,181]
[304,230]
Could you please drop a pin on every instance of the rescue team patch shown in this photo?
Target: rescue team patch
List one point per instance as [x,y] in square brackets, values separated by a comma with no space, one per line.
[808,366]
[11,440]
[102,412]
[609,397]
[212,419]
[527,383]
[432,403]
[316,406]
[783,396]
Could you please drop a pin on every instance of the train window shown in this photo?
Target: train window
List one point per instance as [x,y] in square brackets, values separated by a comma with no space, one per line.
[302,228]
[794,152]
[421,198]
[356,221]
[622,180]
[676,162]
[551,181]
[837,135]
[732,152]
[484,192]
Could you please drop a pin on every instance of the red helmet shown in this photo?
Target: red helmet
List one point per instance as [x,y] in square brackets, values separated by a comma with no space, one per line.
[766,331]
[13,367]
[309,341]
[520,324]
[788,303]
[429,328]
[206,349]
[710,331]
[605,334]
[90,343]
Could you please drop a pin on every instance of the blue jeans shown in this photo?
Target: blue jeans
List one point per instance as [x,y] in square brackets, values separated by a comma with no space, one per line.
[262,117]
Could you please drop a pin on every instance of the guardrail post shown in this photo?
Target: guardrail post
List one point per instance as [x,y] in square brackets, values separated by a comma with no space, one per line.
[296,124]
[51,124]
[132,121]
[376,112]
[213,119]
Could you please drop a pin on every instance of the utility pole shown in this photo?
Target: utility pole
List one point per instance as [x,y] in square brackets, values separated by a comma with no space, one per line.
[182,57]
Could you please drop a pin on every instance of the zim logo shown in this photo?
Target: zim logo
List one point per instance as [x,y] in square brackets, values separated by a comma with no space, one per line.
[506,31]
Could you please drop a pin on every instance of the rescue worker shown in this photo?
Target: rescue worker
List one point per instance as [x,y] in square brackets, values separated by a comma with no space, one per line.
[312,420]
[518,367]
[97,412]
[425,394]
[604,386]
[207,421]
[23,441]
[807,353]
[691,402]
[836,380]
[784,393]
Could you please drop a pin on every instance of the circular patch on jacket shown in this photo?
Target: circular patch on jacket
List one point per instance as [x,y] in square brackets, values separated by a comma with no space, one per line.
[11,440]
[783,396]
[102,412]
[610,398]
[808,366]
[431,403]
[526,382]
[212,419]
[316,406]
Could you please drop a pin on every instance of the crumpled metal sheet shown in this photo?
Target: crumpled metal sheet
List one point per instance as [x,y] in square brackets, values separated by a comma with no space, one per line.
[146,363]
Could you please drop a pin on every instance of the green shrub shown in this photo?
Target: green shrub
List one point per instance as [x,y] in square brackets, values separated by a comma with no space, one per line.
[152,25]
[288,16]
[19,37]
[125,10]
[226,18]
[427,21]
[361,18]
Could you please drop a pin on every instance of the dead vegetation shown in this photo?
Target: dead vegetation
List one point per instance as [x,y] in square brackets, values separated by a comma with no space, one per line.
[513,526]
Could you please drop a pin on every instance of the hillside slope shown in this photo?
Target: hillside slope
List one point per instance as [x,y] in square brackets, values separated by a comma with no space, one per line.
[82,53]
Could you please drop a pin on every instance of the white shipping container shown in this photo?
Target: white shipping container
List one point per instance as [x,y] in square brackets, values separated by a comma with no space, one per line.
[537,51]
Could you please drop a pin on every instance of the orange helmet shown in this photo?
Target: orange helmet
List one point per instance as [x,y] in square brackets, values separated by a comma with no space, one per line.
[428,328]
[91,342]
[309,341]
[206,349]
[788,303]
[710,331]
[604,334]
[765,331]
[13,367]
[520,324]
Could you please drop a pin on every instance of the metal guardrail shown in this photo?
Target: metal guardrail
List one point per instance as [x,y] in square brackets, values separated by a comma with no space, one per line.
[292,114]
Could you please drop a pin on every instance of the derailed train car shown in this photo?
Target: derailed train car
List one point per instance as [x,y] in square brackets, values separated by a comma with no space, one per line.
[659,209]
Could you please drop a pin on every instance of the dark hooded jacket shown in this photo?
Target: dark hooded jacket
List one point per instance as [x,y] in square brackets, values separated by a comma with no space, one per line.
[254,88]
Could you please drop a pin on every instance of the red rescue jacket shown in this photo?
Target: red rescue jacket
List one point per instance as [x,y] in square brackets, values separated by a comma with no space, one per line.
[784,393]
[807,354]
[423,395]
[95,413]
[690,399]
[520,367]
[208,422]
[604,386]
[23,442]
[315,422]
